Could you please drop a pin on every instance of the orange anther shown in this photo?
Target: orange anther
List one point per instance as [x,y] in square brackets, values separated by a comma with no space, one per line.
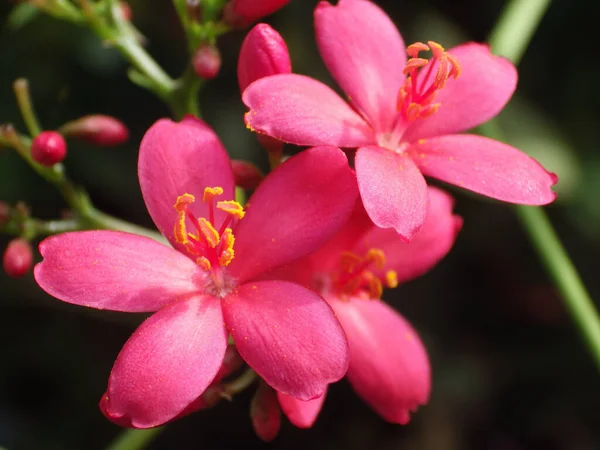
[456,69]
[203,262]
[211,192]
[429,110]
[377,257]
[349,260]
[436,49]
[179,230]
[227,253]
[375,287]
[208,231]
[414,64]
[413,111]
[232,207]
[413,49]
[391,279]
[182,202]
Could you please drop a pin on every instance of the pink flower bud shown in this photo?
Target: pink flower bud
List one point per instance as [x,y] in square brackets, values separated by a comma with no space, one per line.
[17,258]
[246,174]
[48,148]
[263,53]
[5,212]
[206,61]
[126,10]
[265,413]
[244,12]
[97,129]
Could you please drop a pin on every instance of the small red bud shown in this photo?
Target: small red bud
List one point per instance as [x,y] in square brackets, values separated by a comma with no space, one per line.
[97,129]
[126,10]
[48,148]
[5,212]
[17,258]
[206,61]
[265,413]
[246,174]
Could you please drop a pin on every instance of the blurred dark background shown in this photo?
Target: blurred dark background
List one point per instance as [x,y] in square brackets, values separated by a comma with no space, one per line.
[510,370]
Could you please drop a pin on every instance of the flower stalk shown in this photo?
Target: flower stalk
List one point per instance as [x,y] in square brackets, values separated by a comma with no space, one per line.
[510,38]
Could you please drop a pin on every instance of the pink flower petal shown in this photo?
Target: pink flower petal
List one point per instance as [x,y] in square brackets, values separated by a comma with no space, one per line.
[302,414]
[295,210]
[365,54]
[392,189]
[426,249]
[180,158]
[263,53]
[485,85]
[297,109]
[115,270]
[167,363]
[389,368]
[251,10]
[288,335]
[485,166]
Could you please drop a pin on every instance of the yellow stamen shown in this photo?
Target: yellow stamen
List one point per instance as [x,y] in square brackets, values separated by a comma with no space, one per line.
[211,192]
[180,230]
[208,231]
[203,262]
[413,49]
[391,279]
[227,253]
[376,256]
[232,207]
[436,49]
[349,260]
[182,202]
[375,287]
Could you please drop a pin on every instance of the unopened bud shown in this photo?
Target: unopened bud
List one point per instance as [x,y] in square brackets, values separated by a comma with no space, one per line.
[206,61]
[5,212]
[246,174]
[263,53]
[126,10]
[265,413]
[17,258]
[238,13]
[232,361]
[97,129]
[48,148]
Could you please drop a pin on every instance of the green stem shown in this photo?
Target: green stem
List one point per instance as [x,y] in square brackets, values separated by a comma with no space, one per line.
[126,41]
[134,439]
[184,98]
[21,88]
[564,273]
[517,25]
[510,38]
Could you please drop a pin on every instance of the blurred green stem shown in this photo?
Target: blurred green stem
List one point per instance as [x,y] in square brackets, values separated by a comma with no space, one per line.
[510,38]
[134,439]
[21,88]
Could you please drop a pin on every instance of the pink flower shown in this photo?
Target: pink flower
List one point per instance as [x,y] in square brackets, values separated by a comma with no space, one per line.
[205,287]
[403,116]
[389,368]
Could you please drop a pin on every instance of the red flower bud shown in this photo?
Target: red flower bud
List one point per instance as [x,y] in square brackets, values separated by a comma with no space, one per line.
[206,61]
[97,129]
[48,148]
[5,212]
[126,10]
[244,12]
[246,174]
[17,258]
[265,413]
[263,53]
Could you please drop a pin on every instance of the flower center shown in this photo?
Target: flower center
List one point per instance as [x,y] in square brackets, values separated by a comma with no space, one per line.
[416,97]
[355,278]
[212,248]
